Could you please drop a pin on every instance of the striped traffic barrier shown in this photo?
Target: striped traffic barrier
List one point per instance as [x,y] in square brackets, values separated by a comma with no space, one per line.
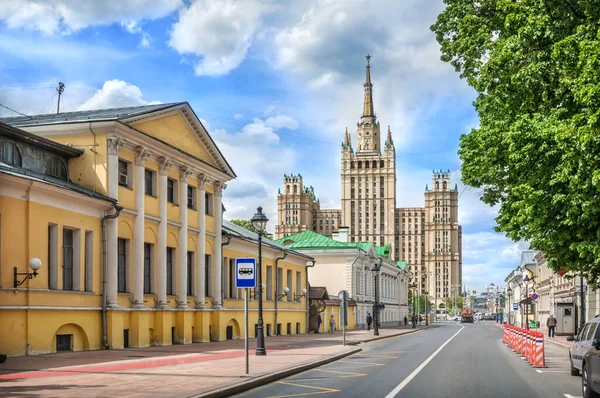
[540,356]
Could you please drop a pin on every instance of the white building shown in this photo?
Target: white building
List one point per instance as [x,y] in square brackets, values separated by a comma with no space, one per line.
[342,265]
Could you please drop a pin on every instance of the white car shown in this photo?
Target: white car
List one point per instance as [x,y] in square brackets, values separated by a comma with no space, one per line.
[456,318]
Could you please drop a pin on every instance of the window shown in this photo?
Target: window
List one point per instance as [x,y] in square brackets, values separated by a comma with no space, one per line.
[290,293]
[148,267]
[52,256]
[171,191]
[207,275]
[56,168]
[170,261]
[269,282]
[124,173]
[67,259]
[279,281]
[123,249]
[191,197]
[10,154]
[298,282]
[150,182]
[89,261]
[232,274]
[208,204]
[190,273]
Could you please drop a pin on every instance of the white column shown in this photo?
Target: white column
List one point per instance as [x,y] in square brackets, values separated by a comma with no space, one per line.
[161,260]
[183,239]
[201,243]
[217,251]
[112,225]
[138,229]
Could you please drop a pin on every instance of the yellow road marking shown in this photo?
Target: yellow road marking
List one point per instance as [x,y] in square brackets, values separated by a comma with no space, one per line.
[323,390]
[364,363]
[337,371]
[378,356]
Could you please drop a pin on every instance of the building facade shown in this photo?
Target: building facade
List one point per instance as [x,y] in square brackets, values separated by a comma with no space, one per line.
[428,239]
[149,181]
[343,265]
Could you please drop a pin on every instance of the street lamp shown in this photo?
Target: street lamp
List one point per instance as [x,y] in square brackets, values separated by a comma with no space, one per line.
[509,291]
[34,264]
[259,221]
[414,287]
[426,293]
[375,271]
[526,281]
[582,318]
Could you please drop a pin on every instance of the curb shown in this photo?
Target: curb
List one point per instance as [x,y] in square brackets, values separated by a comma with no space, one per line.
[557,343]
[390,336]
[266,379]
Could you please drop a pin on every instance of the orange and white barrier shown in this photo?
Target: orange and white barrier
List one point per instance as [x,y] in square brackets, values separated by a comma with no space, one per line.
[528,343]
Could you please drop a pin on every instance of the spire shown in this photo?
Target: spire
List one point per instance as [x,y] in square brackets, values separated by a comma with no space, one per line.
[389,139]
[368,102]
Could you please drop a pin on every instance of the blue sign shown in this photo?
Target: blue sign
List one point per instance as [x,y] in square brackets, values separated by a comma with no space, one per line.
[534,296]
[515,306]
[245,275]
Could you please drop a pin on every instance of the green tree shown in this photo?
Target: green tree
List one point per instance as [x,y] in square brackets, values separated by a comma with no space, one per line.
[535,65]
[248,225]
[458,302]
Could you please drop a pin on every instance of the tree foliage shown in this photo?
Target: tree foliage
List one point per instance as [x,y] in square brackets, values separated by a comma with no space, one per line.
[248,225]
[535,65]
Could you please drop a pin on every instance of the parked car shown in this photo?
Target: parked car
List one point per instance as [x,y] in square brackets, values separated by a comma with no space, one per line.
[584,355]
[456,318]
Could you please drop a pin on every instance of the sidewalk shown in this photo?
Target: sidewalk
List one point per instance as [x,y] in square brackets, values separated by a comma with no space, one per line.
[203,369]
[560,340]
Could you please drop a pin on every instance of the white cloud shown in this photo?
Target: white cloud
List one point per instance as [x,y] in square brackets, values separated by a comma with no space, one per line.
[67,16]
[238,116]
[258,158]
[218,32]
[116,94]
[282,122]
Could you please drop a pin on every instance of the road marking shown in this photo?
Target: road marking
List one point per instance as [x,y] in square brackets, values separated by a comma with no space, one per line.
[337,371]
[323,390]
[363,363]
[572,396]
[551,371]
[539,371]
[411,376]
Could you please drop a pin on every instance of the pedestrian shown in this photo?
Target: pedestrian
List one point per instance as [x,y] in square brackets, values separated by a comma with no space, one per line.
[332,324]
[369,321]
[478,317]
[405,320]
[319,322]
[551,323]
[420,319]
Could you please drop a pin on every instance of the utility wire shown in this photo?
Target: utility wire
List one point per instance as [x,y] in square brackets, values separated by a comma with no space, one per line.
[46,104]
[12,110]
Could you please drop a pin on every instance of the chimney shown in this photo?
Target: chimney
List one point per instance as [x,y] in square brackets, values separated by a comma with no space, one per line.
[341,235]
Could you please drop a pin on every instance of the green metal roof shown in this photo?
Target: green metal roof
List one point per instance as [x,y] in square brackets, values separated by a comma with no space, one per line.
[308,240]
[383,251]
[401,264]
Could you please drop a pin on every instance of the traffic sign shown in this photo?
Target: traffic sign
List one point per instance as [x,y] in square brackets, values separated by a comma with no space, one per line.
[534,296]
[245,275]
[515,306]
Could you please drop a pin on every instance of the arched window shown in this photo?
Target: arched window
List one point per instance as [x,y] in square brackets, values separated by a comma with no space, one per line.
[445,185]
[56,168]
[10,154]
[437,185]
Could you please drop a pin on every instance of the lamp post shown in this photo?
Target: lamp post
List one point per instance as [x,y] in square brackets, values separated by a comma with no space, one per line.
[526,281]
[426,293]
[582,318]
[375,271]
[413,286]
[259,221]
[509,291]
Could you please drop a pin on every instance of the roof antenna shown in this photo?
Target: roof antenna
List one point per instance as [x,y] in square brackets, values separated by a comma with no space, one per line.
[60,89]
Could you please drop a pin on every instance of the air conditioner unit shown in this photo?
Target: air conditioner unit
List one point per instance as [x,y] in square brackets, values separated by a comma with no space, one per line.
[122,179]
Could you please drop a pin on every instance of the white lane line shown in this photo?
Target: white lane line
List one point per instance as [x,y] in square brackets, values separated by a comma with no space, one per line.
[539,371]
[572,396]
[415,372]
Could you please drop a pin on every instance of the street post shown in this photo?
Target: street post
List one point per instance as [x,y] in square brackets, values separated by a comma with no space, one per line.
[245,278]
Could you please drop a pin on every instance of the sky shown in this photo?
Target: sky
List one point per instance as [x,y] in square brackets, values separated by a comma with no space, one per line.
[276,83]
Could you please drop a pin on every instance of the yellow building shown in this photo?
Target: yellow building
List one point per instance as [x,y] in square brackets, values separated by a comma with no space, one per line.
[123,208]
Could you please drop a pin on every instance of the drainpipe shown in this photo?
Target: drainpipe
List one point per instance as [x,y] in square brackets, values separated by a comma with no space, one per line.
[313,262]
[276,284]
[105,271]
[223,272]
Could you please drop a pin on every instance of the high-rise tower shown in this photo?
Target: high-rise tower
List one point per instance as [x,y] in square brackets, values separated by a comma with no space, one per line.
[369,178]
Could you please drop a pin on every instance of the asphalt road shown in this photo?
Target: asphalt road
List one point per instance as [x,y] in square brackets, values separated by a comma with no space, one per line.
[452,360]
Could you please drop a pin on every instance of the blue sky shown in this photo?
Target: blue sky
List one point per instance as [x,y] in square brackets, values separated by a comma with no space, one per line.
[276,82]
